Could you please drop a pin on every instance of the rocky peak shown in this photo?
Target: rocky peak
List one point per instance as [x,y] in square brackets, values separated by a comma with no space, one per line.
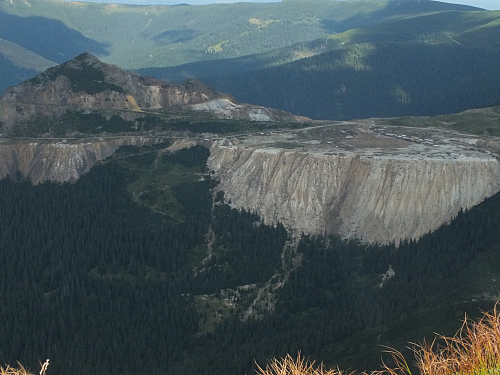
[87,84]
[87,75]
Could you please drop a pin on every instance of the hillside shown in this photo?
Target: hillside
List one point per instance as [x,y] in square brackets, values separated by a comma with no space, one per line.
[145,36]
[374,80]
[160,227]
[85,95]
[158,271]
[423,65]
[157,274]
[340,47]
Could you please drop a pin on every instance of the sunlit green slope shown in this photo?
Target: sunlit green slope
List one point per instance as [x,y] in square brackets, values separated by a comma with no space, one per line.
[424,65]
[143,36]
[322,59]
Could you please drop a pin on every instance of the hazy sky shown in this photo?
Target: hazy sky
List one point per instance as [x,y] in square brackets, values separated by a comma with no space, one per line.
[486,4]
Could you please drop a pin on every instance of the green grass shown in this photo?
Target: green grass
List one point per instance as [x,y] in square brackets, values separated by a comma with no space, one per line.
[213,309]
[148,36]
[483,121]
[153,181]
[154,173]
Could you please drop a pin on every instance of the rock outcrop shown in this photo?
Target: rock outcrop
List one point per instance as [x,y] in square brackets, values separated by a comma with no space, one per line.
[59,161]
[363,180]
[87,84]
[390,190]
[375,196]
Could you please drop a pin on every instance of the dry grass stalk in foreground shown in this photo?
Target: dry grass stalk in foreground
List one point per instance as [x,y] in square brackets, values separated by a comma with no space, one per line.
[44,367]
[14,371]
[289,366]
[21,370]
[474,350]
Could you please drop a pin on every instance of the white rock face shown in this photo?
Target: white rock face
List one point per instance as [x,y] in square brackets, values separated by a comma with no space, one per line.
[61,161]
[377,198]
[225,108]
[214,105]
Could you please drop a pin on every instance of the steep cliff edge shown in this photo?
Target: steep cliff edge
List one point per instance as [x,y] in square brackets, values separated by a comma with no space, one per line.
[399,187]
[376,184]
[361,179]
[59,161]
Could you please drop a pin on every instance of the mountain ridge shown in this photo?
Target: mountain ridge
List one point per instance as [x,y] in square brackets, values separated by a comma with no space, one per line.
[87,85]
[355,179]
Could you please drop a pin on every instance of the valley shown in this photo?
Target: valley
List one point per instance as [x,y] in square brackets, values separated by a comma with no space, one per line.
[320,59]
[170,227]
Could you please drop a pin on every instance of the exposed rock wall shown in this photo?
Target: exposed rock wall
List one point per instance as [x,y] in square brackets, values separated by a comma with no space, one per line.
[377,199]
[61,161]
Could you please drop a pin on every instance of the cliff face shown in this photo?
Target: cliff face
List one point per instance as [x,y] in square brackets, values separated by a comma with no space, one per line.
[376,194]
[378,198]
[61,161]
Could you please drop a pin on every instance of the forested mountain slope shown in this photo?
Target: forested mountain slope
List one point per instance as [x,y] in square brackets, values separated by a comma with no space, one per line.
[143,36]
[157,273]
[375,80]
[225,40]
[173,280]
[423,65]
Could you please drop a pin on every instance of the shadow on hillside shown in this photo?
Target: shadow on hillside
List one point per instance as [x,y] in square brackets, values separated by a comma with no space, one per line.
[176,36]
[393,9]
[49,38]
[11,75]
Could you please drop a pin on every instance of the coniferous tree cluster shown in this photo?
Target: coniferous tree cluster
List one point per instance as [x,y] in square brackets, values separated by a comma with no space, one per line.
[98,281]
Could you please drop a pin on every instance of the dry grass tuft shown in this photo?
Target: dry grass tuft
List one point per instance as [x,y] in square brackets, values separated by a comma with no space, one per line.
[21,370]
[300,366]
[14,371]
[473,350]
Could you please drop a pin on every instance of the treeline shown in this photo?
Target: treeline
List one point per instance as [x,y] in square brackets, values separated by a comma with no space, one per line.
[95,281]
[374,80]
[337,295]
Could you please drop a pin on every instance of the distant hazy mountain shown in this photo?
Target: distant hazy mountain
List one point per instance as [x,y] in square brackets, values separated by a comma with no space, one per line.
[441,62]
[324,59]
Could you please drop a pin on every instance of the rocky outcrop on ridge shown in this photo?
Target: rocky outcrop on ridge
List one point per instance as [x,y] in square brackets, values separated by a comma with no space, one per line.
[61,161]
[87,84]
[390,191]
[375,185]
